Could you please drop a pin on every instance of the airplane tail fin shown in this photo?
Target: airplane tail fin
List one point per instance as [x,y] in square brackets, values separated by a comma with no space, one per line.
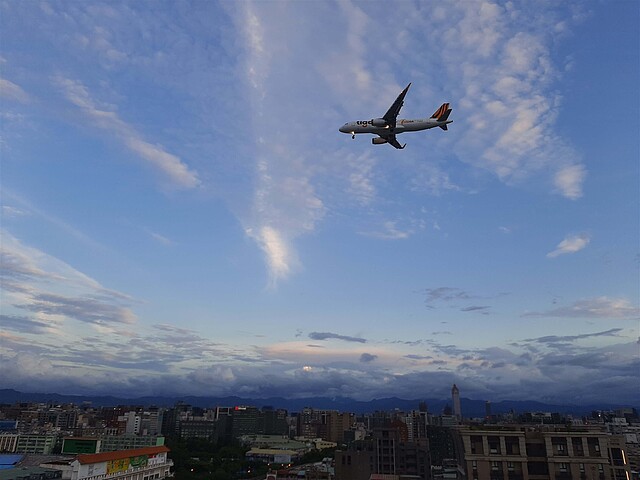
[441,111]
[444,117]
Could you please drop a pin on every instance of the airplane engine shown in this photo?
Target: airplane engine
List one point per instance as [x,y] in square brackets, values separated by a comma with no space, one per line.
[379,122]
[378,141]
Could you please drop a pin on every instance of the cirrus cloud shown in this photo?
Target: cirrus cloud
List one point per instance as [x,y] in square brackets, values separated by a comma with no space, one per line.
[600,307]
[170,165]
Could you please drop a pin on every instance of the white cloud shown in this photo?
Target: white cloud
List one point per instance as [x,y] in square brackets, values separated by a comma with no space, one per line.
[571,244]
[569,180]
[361,178]
[285,202]
[13,92]
[160,238]
[281,259]
[170,165]
[53,292]
[390,231]
[432,179]
[599,307]
[296,369]
[13,212]
[502,76]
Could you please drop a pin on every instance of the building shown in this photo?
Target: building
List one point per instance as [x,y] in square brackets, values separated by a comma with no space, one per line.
[443,445]
[449,470]
[274,442]
[75,445]
[329,425]
[138,464]
[30,473]
[245,421]
[8,442]
[455,398]
[8,426]
[388,452]
[275,421]
[42,444]
[272,455]
[526,452]
[198,429]
[417,422]
[109,443]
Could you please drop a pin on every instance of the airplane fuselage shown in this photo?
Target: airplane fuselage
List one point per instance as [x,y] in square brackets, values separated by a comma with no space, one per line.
[402,125]
[388,126]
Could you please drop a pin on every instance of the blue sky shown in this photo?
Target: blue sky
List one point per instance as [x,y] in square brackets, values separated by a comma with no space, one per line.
[181,215]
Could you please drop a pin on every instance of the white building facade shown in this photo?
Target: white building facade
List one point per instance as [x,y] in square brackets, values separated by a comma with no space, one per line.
[148,463]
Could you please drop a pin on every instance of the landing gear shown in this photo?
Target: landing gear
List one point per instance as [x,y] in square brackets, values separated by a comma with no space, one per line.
[353,136]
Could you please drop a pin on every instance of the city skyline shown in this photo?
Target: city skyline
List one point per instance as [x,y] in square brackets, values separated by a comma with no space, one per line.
[181,216]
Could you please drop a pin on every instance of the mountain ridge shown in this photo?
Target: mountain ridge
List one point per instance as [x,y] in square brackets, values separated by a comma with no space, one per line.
[470,407]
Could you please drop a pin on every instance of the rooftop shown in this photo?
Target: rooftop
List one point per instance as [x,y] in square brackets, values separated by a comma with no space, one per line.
[120,454]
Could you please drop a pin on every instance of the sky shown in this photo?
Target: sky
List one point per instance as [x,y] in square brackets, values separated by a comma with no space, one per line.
[181,215]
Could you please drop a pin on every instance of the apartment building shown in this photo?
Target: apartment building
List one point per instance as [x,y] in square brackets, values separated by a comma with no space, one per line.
[387,452]
[542,453]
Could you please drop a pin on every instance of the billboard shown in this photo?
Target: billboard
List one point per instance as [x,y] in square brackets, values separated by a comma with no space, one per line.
[124,464]
[115,466]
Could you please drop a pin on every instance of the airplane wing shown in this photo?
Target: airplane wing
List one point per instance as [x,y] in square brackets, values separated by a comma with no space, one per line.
[391,139]
[392,114]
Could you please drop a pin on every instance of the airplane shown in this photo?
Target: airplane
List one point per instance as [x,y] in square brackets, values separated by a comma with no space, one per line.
[388,126]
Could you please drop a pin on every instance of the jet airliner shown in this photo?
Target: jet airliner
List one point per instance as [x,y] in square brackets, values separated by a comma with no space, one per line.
[388,126]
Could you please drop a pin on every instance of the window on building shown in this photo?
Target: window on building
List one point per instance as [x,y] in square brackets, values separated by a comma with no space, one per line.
[578,448]
[512,445]
[494,444]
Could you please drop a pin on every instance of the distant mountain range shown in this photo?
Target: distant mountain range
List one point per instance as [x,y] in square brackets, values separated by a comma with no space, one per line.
[470,408]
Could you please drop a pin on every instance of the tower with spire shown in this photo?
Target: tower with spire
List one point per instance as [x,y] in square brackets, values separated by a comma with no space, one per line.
[455,398]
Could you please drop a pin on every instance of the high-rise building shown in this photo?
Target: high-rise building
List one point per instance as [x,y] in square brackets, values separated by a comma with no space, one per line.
[417,422]
[245,421]
[275,421]
[329,425]
[455,398]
